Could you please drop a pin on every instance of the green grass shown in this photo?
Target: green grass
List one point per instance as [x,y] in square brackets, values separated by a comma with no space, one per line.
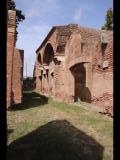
[43,129]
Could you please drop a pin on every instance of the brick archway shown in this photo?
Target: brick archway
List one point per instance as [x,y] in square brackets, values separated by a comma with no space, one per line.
[79,82]
[48,70]
[39,60]
[81,92]
[48,54]
[79,73]
[78,68]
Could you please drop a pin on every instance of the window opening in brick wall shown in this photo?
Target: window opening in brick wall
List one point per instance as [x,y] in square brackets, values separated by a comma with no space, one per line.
[82,47]
[52,74]
[103,48]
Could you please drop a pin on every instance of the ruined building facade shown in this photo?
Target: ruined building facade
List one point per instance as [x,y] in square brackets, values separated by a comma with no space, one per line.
[76,63]
[14,64]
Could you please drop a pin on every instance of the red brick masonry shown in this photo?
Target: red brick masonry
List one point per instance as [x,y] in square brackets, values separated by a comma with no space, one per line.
[14,64]
[76,63]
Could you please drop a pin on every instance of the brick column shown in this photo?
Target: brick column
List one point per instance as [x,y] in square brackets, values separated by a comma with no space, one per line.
[10,53]
[17,76]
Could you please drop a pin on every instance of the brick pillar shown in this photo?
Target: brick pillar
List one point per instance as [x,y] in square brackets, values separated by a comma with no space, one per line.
[88,68]
[10,53]
[69,85]
[17,79]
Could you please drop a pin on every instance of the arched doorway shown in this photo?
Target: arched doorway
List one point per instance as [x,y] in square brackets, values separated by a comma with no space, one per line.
[48,54]
[79,75]
[48,73]
[81,92]
[39,58]
[39,65]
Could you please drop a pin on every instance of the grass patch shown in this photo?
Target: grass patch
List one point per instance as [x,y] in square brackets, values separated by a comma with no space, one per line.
[42,129]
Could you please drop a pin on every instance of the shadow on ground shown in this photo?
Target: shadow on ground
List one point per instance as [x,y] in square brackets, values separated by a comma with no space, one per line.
[30,100]
[57,140]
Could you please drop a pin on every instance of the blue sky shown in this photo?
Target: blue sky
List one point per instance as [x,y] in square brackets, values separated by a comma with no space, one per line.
[41,15]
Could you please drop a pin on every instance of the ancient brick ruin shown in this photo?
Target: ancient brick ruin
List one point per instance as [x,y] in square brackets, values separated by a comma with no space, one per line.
[14,64]
[76,63]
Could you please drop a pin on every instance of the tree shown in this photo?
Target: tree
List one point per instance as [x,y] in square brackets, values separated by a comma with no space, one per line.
[19,15]
[108,20]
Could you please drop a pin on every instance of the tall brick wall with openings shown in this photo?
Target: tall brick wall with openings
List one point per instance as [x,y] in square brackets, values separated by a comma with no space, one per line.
[78,64]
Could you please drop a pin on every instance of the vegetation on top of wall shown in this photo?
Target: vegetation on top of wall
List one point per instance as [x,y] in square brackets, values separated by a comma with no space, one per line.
[19,15]
[108,20]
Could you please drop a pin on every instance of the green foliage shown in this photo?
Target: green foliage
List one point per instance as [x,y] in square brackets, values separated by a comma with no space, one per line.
[19,15]
[11,5]
[108,20]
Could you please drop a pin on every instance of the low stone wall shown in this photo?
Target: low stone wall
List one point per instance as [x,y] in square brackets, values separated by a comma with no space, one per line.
[29,84]
[105,102]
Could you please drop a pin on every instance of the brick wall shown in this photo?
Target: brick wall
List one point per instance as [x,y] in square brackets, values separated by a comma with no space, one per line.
[28,84]
[60,81]
[17,76]
[79,45]
[14,63]
[10,53]
[102,89]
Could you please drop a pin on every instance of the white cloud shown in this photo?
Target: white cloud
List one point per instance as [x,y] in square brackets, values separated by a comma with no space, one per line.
[39,9]
[78,14]
[35,28]
[31,13]
[29,39]
[32,32]
[81,11]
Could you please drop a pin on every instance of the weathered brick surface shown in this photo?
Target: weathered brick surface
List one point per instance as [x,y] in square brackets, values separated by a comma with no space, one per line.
[60,81]
[74,48]
[13,63]
[17,76]
[10,53]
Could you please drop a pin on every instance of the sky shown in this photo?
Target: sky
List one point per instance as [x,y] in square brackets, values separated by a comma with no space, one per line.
[42,15]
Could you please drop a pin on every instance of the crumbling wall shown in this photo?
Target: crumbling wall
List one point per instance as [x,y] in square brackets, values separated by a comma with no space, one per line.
[10,53]
[103,80]
[74,45]
[14,63]
[17,76]
[60,81]
[85,46]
